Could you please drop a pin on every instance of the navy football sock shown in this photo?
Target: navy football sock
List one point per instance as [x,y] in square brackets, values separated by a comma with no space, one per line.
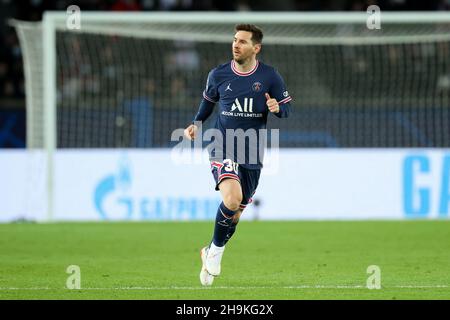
[231,231]
[224,218]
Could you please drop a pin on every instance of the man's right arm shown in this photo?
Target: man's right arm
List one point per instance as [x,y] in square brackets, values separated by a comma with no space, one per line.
[204,110]
[210,97]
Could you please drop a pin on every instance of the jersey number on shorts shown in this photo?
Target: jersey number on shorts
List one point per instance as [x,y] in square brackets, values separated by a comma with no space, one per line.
[231,166]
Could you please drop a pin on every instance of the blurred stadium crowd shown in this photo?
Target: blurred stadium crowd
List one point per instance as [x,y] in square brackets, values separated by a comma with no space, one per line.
[12,91]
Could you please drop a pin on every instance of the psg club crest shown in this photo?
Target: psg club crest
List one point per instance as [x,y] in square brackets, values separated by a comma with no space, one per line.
[257,86]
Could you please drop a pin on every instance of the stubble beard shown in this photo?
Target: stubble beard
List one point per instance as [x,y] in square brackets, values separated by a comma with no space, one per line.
[240,61]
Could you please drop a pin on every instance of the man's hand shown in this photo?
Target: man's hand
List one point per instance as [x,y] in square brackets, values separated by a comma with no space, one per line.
[272,104]
[190,132]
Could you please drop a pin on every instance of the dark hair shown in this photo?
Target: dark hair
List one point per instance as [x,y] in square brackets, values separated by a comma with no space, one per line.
[257,34]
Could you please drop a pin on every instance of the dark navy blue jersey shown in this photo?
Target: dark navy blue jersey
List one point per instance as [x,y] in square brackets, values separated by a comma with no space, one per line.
[242,105]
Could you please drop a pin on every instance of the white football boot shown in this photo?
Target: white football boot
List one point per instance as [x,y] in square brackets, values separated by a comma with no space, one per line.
[213,259]
[205,278]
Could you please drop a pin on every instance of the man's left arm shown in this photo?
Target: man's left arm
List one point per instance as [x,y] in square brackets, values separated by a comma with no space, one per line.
[279,93]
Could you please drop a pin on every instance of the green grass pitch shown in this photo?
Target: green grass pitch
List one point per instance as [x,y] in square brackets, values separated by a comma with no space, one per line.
[264,260]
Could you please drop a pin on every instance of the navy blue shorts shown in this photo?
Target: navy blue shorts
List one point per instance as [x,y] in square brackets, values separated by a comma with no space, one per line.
[230,170]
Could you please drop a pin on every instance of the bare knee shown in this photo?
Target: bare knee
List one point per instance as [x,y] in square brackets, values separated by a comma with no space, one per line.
[232,201]
[231,193]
